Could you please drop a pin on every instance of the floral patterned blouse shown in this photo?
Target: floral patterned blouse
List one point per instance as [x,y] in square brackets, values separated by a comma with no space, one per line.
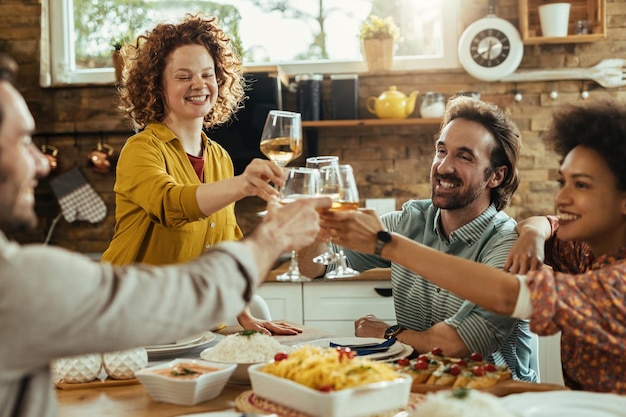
[585,299]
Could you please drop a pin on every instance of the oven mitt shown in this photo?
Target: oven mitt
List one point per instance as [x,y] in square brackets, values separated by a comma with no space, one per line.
[78,200]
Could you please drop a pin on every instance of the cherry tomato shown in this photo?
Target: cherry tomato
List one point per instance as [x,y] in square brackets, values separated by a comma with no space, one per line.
[454,370]
[420,365]
[326,388]
[280,356]
[490,367]
[478,370]
[437,351]
[423,357]
[461,362]
[403,362]
[476,357]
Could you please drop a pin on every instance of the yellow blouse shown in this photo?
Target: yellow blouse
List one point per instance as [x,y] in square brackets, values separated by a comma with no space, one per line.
[157,218]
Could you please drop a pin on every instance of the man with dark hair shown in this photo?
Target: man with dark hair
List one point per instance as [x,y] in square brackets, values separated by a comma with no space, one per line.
[54,303]
[473,176]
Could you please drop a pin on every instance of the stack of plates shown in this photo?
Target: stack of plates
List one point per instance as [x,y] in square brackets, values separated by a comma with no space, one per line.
[179,347]
[396,351]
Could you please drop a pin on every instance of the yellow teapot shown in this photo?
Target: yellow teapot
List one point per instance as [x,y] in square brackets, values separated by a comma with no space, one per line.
[392,104]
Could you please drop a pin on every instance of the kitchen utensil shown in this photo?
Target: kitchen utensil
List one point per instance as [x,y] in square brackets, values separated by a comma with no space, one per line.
[392,104]
[609,73]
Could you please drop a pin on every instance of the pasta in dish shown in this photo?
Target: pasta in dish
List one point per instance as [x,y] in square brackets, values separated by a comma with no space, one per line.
[328,369]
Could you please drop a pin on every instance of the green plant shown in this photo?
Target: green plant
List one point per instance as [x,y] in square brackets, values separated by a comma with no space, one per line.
[117,44]
[375,27]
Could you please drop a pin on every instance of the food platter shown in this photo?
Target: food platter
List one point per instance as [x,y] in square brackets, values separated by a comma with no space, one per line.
[396,351]
[181,346]
[565,404]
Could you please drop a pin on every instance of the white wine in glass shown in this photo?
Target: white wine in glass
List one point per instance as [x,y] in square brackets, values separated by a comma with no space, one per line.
[299,183]
[328,256]
[339,184]
[281,139]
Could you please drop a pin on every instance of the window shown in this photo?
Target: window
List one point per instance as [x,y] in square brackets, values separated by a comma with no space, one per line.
[77,35]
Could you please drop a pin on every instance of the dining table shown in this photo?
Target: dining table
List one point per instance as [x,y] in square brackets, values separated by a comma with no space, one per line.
[132,400]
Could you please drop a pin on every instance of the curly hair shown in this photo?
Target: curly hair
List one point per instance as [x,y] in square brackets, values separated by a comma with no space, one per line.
[507,137]
[141,92]
[599,125]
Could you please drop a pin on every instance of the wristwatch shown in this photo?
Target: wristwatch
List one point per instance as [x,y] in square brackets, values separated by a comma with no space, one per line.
[383,237]
[393,331]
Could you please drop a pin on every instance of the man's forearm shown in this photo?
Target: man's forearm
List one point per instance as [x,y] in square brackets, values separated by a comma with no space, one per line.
[305,260]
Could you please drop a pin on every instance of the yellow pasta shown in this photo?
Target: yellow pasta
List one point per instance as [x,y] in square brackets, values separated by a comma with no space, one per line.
[328,369]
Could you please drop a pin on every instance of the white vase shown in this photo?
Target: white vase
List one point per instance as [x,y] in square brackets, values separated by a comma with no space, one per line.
[124,363]
[77,369]
[554,19]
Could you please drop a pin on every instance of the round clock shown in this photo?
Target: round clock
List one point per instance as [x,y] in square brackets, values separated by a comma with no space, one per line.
[490,48]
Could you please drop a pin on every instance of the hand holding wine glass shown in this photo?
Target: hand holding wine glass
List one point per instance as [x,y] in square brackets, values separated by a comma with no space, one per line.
[281,139]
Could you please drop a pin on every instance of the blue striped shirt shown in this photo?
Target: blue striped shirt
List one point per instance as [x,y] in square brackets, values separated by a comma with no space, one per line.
[419,304]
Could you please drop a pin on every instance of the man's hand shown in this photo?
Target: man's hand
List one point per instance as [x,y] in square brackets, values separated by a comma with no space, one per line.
[370,326]
[354,230]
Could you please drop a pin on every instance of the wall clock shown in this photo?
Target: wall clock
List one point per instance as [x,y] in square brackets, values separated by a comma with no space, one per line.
[490,48]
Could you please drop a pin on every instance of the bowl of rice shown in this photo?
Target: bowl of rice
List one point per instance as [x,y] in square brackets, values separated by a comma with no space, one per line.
[244,349]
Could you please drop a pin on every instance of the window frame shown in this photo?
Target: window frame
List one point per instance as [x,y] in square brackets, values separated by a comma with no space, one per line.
[58,63]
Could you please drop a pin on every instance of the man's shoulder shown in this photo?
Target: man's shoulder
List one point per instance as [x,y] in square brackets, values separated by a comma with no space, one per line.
[503,222]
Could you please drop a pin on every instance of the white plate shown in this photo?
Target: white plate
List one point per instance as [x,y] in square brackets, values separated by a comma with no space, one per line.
[394,349]
[167,351]
[181,342]
[565,404]
[217,414]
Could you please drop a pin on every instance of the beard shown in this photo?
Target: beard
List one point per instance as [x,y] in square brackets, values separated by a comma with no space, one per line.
[457,200]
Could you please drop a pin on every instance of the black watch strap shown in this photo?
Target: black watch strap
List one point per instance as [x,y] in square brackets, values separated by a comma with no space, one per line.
[393,331]
[382,238]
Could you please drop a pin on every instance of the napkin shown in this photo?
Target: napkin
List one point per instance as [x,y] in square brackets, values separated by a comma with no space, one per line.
[367,349]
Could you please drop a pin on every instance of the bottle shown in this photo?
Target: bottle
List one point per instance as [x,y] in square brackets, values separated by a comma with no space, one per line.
[433,105]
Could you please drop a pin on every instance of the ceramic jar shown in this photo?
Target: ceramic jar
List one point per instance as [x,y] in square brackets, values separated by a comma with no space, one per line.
[433,105]
[124,363]
[77,369]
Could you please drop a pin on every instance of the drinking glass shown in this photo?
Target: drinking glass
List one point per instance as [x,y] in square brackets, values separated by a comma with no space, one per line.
[339,184]
[281,139]
[299,183]
[328,256]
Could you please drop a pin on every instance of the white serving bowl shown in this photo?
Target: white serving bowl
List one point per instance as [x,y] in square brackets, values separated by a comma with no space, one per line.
[361,401]
[186,391]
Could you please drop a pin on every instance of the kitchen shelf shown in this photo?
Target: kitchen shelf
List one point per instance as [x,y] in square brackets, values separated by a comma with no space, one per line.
[592,10]
[369,122]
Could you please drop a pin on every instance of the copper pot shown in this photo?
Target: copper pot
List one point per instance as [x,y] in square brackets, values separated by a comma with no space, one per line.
[51,152]
[99,159]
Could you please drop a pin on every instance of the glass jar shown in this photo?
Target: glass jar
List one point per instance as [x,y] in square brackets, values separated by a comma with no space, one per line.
[433,105]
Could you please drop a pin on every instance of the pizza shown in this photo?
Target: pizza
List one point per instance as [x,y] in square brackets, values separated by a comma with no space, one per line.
[434,370]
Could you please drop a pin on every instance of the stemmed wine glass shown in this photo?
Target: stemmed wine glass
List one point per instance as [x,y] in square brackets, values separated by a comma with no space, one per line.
[299,183]
[339,184]
[281,139]
[328,256]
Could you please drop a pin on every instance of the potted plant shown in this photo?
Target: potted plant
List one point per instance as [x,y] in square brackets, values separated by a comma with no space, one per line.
[377,35]
[116,55]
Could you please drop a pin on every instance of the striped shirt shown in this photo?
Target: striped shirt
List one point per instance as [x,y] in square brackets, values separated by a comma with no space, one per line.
[420,304]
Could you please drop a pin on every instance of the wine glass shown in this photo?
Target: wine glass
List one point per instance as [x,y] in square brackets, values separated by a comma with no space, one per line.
[328,256]
[339,184]
[299,183]
[281,139]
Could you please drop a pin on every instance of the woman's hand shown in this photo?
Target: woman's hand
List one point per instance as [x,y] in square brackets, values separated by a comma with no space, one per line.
[248,322]
[257,177]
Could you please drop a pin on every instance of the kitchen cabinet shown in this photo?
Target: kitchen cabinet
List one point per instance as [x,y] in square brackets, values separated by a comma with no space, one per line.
[593,11]
[329,304]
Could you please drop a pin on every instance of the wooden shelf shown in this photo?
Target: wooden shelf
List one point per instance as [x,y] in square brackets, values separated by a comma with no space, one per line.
[369,122]
[592,10]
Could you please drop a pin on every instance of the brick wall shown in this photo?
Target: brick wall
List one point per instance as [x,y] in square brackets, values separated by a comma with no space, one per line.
[390,162]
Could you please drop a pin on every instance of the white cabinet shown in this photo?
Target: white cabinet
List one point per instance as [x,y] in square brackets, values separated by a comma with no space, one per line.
[284,300]
[329,305]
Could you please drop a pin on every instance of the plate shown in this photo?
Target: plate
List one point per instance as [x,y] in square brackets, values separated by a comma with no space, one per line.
[186,341]
[565,404]
[167,351]
[394,349]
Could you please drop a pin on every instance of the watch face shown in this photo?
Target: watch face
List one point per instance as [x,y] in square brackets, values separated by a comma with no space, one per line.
[490,47]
